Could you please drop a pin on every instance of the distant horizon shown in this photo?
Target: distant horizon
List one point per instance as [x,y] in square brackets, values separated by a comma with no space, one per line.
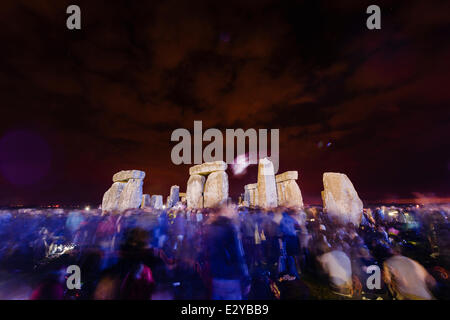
[404,201]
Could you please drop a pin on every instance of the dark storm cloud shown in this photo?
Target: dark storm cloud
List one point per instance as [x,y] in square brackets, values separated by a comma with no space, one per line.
[108,97]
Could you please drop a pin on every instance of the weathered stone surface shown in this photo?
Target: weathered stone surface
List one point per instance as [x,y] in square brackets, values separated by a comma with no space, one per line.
[111,197]
[340,199]
[289,194]
[252,192]
[174,196]
[246,199]
[131,196]
[194,191]
[216,189]
[267,189]
[145,201]
[125,175]
[280,193]
[208,167]
[156,202]
[288,175]
[251,186]
[254,198]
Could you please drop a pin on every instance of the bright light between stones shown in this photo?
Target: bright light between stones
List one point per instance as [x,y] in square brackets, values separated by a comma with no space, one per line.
[240,164]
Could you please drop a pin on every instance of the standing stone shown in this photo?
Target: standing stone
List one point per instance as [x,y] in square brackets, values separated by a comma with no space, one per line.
[111,197]
[280,193]
[216,189]
[174,196]
[246,201]
[252,193]
[267,188]
[255,197]
[292,194]
[145,201]
[340,199]
[156,202]
[194,191]
[288,191]
[131,196]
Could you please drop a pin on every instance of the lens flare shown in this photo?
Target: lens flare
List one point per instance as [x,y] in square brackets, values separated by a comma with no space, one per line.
[240,164]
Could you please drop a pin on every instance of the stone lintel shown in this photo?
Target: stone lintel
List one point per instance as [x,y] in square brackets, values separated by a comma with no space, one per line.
[288,175]
[208,167]
[251,186]
[125,175]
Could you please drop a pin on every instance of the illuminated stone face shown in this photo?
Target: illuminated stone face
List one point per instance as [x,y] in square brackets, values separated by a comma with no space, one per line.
[289,194]
[267,188]
[251,192]
[125,192]
[145,201]
[125,175]
[174,196]
[216,189]
[131,196]
[207,186]
[208,167]
[340,199]
[111,197]
[156,202]
[194,191]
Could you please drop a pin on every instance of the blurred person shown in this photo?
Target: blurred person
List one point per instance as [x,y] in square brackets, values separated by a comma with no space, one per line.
[229,273]
[248,229]
[107,288]
[50,289]
[292,288]
[406,278]
[288,227]
[337,265]
[271,247]
[132,276]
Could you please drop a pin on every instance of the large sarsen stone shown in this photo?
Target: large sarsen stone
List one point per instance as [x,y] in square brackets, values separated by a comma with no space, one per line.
[340,199]
[216,189]
[267,188]
[156,202]
[174,196]
[194,191]
[111,197]
[131,196]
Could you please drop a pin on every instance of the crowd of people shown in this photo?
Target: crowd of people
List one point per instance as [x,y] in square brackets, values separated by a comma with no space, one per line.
[226,253]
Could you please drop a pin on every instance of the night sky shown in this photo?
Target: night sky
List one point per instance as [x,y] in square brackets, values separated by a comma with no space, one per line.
[78,106]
